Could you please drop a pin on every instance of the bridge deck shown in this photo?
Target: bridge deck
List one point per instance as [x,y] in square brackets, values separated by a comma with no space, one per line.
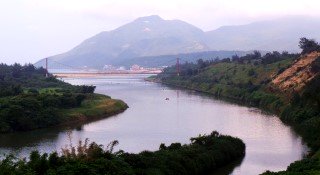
[96,74]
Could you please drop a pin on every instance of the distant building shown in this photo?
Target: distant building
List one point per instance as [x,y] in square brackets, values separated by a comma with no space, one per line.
[109,68]
[136,67]
[121,68]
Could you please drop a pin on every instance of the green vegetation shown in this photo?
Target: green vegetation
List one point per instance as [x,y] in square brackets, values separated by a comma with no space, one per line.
[310,166]
[93,107]
[203,155]
[248,79]
[30,100]
[242,79]
[308,45]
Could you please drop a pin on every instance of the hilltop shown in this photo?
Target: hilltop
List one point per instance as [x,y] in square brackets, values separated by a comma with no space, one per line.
[146,41]
[145,36]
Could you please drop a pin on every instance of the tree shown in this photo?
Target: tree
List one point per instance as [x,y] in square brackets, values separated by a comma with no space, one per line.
[308,45]
[235,58]
[201,63]
[256,54]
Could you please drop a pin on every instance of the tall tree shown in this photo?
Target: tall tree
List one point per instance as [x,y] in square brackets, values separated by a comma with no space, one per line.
[308,45]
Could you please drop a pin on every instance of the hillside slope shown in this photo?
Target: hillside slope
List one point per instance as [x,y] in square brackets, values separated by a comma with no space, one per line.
[298,74]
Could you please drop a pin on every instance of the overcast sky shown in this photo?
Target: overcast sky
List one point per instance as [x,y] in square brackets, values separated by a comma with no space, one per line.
[34,29]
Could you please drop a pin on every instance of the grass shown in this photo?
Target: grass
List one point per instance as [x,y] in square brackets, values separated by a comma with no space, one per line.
[93,107]
[48,90]
[235,73]
[230,79]
[51,91]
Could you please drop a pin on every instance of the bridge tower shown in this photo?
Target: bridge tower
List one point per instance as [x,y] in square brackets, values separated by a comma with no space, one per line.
[178,66]
[47,72]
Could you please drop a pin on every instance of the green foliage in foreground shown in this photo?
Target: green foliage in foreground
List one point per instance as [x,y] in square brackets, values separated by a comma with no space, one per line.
[203,155]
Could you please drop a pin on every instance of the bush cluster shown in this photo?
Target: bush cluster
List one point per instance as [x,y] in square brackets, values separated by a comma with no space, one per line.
[203,155]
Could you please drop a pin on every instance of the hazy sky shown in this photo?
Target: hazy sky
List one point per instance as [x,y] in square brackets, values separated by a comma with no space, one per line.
[34,29]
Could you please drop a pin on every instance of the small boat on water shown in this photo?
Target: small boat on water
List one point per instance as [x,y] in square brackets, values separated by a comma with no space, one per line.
[167,98]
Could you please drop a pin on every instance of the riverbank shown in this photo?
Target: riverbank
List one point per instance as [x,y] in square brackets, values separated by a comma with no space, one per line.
[27,112]
[152,120]
[250,81]
[31,99]
[93,107]
[204,154]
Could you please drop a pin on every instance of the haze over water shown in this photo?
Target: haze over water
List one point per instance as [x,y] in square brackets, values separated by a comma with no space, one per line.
[151,120]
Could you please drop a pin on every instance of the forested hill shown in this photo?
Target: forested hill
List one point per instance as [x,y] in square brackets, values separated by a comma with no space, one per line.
[285,84]
[30,100]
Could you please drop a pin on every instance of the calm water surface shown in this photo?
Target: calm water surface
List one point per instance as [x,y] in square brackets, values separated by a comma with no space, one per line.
[151,120]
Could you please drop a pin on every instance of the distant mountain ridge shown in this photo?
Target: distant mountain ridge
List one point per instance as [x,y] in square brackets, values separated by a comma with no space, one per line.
[274,35]
[153,36]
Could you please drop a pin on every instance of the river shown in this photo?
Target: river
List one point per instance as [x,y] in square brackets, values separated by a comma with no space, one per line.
[151,120]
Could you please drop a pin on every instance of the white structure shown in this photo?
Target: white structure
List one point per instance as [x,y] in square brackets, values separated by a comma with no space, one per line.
[136,67]
[109,68]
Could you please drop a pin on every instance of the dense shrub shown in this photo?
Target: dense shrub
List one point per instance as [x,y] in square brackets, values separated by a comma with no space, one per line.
[205,154]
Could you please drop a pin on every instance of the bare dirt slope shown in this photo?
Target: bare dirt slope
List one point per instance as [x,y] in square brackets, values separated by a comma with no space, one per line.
[298,74]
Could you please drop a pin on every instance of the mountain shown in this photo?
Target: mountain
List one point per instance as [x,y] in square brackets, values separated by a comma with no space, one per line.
[148,39]
[280,34]
[146,36]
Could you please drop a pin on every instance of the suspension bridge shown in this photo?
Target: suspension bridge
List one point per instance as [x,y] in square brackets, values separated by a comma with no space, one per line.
[63,70]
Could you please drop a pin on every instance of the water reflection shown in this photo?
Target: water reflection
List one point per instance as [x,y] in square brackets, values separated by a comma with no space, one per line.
[151,120]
